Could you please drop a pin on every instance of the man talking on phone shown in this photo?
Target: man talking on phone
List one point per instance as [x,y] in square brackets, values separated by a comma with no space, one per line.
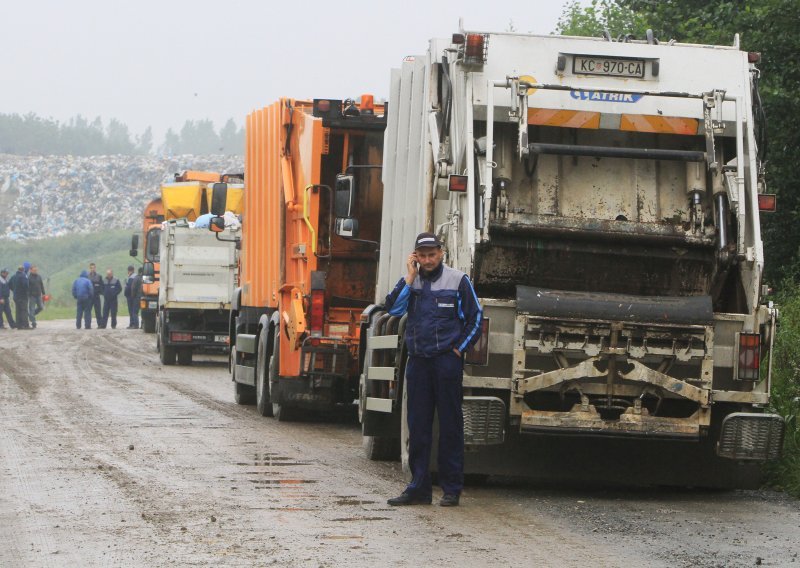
[444,320]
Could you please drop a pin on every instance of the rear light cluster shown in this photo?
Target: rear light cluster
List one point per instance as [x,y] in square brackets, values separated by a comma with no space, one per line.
[178,336]
[749,356]
[767,202]
[479,353]
[317,318]
[475,47]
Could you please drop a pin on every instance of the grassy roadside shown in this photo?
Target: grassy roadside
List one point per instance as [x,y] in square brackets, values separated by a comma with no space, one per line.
[785,400]
[60,261]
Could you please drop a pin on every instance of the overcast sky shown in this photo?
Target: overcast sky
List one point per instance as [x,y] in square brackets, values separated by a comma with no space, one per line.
[159,63]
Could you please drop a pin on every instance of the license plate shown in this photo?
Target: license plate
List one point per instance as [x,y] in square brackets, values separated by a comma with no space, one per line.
[220,339]
[153,305]
[583,65]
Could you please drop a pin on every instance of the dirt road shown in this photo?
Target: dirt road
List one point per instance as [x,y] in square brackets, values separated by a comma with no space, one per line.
[109,459]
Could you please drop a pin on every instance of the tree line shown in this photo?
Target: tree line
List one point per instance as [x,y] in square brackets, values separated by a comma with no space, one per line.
[32,134]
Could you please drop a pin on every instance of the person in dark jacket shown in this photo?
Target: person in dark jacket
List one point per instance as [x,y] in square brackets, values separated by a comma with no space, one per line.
[5,300]
[444,320]
[97,284]
[35,291]
[19,287]
[83,292]
[133,301]
[111,289]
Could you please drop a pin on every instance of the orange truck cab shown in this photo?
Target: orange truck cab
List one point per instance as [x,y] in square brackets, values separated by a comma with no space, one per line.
[151,233]
[295,320]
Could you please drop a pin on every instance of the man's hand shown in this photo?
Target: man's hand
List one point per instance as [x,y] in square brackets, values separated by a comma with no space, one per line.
[411,265]
[456,351]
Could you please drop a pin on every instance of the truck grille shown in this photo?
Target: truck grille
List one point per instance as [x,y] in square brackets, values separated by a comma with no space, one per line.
[484,420]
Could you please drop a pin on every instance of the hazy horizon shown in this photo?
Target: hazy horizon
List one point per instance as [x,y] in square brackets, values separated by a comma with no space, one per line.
[159,64]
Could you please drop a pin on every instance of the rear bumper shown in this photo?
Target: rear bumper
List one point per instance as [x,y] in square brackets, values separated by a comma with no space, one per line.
[588,422]
[198,339]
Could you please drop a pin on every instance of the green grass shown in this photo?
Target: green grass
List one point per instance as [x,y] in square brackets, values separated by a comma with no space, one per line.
[785,400]
[60,261]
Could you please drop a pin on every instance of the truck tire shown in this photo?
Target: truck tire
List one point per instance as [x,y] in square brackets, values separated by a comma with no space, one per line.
[149,323]
[242,394]
[185,356]
[263,403]
[280,411]
[165,352]
[380,448]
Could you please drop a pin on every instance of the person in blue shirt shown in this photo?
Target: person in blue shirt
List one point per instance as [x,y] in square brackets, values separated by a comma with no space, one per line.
[5,299]
[20,288]
[444,320]
[111,289]
[83,292]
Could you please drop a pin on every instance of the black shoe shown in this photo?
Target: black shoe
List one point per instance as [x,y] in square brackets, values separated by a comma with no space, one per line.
[449,500]
[407,498]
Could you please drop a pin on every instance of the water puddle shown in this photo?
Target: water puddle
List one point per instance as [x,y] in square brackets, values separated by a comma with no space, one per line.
[348,519]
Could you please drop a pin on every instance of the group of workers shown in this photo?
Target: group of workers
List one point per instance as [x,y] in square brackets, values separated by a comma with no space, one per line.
[26,287]
[89,288]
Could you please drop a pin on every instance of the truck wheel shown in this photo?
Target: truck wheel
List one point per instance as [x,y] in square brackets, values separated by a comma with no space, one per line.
[166,354]
[263,404]
[242,394]
[380,448]
[185,356]
[279,411]
[149,323]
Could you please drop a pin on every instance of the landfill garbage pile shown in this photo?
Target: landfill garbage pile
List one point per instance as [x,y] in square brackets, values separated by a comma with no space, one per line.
[50,196]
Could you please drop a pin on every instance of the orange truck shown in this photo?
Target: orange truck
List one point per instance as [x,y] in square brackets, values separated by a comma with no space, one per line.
[155,213]
[295,320]
[151,231]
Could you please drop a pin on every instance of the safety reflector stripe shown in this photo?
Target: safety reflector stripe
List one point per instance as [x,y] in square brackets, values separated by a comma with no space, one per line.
[664,124]
[563,118]
[379,404]
[380,373]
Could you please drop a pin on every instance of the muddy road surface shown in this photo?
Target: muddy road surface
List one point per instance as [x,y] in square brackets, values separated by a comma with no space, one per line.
[109,459]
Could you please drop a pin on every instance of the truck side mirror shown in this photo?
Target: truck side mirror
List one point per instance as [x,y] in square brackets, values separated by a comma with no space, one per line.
[344,195]
[347,227]
[148,272]
[152,245]
[219,199]
[134,245]
[216,224]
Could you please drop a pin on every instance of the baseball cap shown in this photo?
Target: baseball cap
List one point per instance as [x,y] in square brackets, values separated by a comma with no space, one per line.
[427,240]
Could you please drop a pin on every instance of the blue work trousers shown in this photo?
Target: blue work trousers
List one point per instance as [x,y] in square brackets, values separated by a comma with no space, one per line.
[110,309]
[435,384]
[84,313]
[133,310]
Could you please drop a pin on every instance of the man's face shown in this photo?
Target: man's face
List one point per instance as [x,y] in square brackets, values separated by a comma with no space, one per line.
[429,257]
[34,270]
[109,274]
[92,268]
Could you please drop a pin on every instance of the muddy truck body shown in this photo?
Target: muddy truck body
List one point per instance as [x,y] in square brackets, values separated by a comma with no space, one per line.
[295,320]
[604,197]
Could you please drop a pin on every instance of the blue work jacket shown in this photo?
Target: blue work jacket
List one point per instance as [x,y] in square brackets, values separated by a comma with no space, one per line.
[443,312]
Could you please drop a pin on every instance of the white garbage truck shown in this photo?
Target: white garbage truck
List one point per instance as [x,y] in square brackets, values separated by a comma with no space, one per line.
[604,198]
[199,273]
